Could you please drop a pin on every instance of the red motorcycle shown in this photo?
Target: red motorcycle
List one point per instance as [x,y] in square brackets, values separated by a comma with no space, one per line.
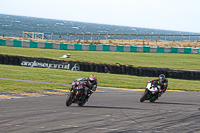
[77,95]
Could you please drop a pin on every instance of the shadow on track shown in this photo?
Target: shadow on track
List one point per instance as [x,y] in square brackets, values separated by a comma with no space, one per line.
[175,103]
[106,107]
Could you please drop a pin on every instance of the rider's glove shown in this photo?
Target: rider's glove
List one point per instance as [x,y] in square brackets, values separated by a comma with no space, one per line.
[94,88]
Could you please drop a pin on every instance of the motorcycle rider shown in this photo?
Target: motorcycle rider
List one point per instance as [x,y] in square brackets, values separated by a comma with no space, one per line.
[163,82]
[91,85]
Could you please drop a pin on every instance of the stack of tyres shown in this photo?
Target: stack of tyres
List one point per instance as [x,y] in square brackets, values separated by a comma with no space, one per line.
[195,75]
[16,60]
[5,60]
[139,71]
[91,67]
[98,68]
[106,69]
[101,68]
[150,72]
[123,69]
[135,71]
[84,66]
[130,70]
[1,59]
[118,70]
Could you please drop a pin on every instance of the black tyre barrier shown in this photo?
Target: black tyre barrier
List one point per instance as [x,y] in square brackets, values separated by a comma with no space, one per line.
[135,70]
[82,66]
[110,69]
[130,70]
[92,67]
[1,59]
[102,68]
[16,61]
[86,67]
[115,69]
[123,69]
[106,70]
[5,60]
[196,76]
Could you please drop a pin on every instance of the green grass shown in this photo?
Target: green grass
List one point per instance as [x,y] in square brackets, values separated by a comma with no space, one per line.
[66,76]
[8,85]
[159,60]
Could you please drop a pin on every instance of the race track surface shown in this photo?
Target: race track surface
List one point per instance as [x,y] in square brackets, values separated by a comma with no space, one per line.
[108,110]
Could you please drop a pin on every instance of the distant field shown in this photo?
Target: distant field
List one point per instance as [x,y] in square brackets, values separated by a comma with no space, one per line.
[159,60]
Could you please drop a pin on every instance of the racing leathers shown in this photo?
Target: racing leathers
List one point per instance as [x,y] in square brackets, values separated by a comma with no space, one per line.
[90,86]
[163,85]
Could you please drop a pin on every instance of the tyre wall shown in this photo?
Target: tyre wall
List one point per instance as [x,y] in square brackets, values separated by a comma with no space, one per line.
[101,68]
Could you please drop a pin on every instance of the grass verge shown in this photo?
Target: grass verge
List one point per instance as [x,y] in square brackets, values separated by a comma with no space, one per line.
[66,76]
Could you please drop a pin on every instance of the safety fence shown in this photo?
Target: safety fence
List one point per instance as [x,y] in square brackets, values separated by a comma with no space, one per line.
[94,37]
[101,68]
[98,47]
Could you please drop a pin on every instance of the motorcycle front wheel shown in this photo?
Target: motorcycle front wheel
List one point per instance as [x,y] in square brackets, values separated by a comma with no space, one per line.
[143,98]
[69,99]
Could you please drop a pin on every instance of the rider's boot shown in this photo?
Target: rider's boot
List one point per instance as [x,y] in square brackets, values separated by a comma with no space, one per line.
[87,97]
[160,94]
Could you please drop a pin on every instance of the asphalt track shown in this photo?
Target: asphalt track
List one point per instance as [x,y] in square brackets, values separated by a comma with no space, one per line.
[108,110]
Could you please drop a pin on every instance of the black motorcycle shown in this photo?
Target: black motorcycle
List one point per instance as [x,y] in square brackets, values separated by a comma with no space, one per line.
[77,95]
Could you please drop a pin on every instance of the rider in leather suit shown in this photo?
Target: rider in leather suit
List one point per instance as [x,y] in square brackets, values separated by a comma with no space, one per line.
[91,85]
[163,82]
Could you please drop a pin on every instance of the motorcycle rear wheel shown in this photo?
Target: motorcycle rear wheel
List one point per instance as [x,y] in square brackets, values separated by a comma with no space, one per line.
[153,100]
[81,103]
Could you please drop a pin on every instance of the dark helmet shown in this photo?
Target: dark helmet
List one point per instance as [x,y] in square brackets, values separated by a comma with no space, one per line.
[92,78]
[161,77]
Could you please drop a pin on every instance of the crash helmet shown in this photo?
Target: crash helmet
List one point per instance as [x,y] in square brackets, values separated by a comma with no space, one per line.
[161,77]
[92,78]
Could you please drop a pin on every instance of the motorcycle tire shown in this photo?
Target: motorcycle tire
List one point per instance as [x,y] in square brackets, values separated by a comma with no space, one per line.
[143,98]
[81,103]
[153,100]
[69,99]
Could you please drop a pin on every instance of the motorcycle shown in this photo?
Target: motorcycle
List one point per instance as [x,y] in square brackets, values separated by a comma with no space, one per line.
[77,95]
[151,92]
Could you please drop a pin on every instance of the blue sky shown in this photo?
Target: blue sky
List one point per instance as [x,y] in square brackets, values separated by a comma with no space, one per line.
[179,15]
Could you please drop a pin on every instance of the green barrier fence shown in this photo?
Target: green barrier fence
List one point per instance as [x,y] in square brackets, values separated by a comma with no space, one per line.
[92,47]
[17,43]
[187,50]
[3,42]
[146,49]
[174,49]
[63,46]
[160,49]
[33,44]
[133,49]
[99,47]
[48,45]
[77,46]
[106,47]
[120,48]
